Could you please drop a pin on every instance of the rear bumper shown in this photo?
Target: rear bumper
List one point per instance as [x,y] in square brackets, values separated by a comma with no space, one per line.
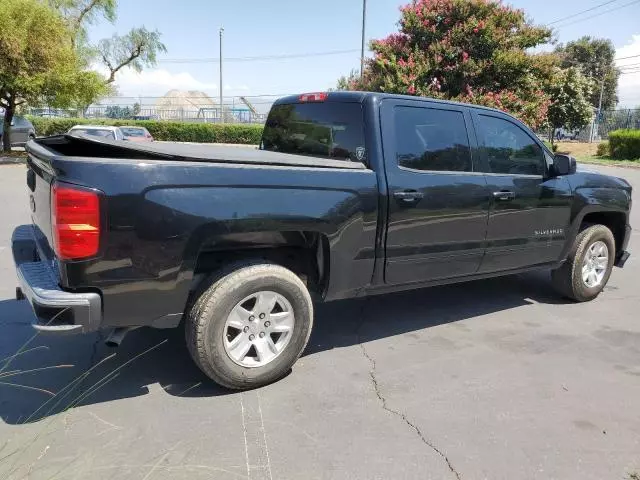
[56,311]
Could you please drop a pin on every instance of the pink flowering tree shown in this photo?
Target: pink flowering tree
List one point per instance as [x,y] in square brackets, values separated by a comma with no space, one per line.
[474,51]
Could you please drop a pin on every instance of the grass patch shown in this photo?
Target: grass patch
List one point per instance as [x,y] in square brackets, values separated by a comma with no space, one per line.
[611,162]
[588,153]
[13,154]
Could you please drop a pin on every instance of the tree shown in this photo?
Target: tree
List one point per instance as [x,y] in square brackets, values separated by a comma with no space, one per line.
[136,49]
[469,50]
[344,81]
[569,91]
[118,113]
[595,59]
[38,64]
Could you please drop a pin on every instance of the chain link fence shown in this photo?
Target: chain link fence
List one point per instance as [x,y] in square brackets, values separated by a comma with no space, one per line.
[178,108]
[610,120]
[599,128]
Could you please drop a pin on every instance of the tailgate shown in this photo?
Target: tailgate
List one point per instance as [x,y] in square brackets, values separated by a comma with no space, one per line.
[40,176]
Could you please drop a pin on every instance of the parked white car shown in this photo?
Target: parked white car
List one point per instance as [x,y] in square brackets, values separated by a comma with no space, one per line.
[112,133]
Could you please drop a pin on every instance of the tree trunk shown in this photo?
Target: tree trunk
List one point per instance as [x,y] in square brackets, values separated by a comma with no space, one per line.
[6,128]
[551,136]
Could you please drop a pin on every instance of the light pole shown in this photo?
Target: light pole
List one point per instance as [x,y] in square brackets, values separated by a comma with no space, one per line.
[596,122]
[221,99]
[364,16]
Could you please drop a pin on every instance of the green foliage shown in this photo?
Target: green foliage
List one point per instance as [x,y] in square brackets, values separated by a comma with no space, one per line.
[468,50]
[603,149]
[162,130]
[344,82]
[569,93]
[137,49]
[625,144]
[595,58]
[553,148]
[118,112]
[37,62]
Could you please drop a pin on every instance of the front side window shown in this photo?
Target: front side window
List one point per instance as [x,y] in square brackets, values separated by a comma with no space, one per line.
[431,139]
[510,149]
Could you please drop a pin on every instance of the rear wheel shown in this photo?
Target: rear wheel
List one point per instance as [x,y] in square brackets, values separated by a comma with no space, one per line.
[588,267]
[250,325]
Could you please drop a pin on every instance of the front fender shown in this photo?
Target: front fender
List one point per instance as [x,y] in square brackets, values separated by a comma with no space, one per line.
[595,200]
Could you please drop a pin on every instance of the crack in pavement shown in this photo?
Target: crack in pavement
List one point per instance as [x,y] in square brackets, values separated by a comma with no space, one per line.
[385,406]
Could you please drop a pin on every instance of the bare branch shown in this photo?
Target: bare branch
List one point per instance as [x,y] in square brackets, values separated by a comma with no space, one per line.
[83,13]
[134,55]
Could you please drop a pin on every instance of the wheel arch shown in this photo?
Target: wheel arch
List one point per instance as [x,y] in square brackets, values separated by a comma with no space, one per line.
[615,221]
[306,253]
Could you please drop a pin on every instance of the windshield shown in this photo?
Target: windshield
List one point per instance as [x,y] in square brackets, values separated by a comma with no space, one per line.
[95,132]
[330,130]
[133,132]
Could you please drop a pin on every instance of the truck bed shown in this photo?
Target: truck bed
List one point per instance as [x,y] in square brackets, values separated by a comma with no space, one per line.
[86,147]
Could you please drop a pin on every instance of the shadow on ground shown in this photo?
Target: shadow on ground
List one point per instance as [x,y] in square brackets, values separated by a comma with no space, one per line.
[338,324]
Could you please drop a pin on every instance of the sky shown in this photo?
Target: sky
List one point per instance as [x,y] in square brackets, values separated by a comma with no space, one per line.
[267,28]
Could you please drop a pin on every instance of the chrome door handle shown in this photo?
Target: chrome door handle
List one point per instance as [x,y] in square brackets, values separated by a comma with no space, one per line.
[408,196]
[504,195]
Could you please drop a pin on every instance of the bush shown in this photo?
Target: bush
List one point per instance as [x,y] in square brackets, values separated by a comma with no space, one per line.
[603,149]
[553,148]
[162,130]
[625,144]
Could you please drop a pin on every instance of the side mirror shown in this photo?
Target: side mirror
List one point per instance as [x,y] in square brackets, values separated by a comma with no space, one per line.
[563,165]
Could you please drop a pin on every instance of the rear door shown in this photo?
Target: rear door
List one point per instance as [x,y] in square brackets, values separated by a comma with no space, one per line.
[529,212]
[438,203]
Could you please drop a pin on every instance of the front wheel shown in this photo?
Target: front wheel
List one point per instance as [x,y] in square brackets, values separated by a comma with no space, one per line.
[588,267]
[251,324]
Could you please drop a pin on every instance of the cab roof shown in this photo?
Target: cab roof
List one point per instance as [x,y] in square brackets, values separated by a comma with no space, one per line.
[355,97]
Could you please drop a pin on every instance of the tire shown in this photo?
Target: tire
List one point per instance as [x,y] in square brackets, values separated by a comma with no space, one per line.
[207,328]
[568,279]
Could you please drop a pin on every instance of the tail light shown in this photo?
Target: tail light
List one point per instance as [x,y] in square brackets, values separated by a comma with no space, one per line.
[75,221]
[313,97]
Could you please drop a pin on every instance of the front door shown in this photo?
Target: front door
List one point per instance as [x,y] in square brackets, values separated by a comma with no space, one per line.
[530,212]
[438,204]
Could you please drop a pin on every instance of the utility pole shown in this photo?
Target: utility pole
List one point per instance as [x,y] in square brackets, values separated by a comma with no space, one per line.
[364,16]
[221,98]
[599,113]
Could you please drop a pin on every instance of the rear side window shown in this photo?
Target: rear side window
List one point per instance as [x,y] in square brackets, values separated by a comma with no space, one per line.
[431,139]
[329,130]
[510,149]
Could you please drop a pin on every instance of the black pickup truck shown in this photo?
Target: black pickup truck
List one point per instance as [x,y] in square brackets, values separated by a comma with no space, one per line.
[349,194]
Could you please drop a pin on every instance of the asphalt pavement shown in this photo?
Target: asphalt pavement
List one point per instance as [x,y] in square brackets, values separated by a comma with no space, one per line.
[495,379]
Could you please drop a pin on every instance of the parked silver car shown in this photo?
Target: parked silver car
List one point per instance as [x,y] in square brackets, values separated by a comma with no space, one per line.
[22,130]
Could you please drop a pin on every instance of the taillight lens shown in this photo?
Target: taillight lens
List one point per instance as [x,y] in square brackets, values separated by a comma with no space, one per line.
[75,221]
[313,97]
